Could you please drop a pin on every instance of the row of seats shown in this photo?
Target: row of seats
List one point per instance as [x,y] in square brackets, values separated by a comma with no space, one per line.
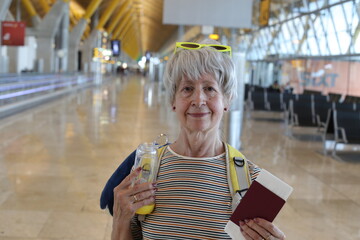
[337,121]
[342,126]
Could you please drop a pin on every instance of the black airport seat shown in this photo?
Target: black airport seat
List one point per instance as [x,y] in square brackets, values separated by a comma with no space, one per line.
[322,106]
[258,99]
[303,112]
[347,126]
[275,101]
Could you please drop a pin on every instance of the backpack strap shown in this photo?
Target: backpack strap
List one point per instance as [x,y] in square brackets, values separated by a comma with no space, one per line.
[238,174]
[160,153]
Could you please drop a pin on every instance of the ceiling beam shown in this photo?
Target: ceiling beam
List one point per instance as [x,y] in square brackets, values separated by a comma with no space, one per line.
[94,4]
[29,8]
[123,23]
[107,13]
[118,16]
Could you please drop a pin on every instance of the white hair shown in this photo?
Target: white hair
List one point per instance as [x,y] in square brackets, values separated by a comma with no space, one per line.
[195,63]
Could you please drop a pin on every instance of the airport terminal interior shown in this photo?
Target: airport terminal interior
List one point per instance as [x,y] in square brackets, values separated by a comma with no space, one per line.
[81,87]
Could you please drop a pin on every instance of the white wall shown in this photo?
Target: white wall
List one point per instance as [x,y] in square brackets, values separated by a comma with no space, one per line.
[23,57]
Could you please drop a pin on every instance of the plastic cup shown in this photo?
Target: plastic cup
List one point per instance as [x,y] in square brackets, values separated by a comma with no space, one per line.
[146,158]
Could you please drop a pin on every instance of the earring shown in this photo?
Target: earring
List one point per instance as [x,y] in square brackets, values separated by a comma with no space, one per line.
[174,107]
[225,109]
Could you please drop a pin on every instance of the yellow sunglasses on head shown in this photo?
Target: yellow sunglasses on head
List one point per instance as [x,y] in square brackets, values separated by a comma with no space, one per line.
[195,46]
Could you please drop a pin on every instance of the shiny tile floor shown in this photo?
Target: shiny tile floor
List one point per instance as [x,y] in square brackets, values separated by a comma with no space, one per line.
[56,158]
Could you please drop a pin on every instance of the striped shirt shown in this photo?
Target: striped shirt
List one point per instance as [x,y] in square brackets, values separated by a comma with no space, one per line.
[193,200]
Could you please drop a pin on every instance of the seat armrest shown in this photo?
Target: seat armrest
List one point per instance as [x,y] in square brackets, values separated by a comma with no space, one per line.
[343,135]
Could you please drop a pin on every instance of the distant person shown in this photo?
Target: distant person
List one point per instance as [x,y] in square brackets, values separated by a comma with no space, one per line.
[192,195]
[275,87]
[287,88]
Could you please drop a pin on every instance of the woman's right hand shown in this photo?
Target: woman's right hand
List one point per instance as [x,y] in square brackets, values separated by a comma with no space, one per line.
[128,199]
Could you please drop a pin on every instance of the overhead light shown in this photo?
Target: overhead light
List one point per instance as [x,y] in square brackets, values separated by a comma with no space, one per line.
[214,36]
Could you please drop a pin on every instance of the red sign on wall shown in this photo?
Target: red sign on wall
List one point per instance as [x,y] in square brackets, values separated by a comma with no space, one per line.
[13,33]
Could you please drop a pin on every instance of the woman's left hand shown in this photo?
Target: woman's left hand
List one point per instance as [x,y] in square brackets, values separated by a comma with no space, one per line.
[260,229]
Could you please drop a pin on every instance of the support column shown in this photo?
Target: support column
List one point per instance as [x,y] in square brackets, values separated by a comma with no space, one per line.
[45,33]
[75,38]
[92,41]
[76,34]
[64,56]
[4,7]
[31,11]
[234,118]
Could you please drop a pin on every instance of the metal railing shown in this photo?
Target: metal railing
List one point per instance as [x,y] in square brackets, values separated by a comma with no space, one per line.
[18,92]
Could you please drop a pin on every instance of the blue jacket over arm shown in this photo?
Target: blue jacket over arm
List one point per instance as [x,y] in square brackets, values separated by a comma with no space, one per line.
[107,195]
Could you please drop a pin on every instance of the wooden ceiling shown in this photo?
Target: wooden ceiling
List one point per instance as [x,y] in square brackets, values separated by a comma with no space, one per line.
[142,27]
[137,23]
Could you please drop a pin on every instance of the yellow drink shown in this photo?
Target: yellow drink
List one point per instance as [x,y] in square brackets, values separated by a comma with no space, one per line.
[146,209]
[147,159]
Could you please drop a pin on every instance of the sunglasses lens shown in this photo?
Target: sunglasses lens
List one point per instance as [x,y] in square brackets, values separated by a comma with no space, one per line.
[189,45]
[220,48]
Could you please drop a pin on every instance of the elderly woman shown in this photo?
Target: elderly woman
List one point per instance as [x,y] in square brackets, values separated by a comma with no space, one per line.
[191,195]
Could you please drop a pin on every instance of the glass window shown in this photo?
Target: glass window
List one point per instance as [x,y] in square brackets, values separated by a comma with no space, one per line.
[295,12]
[272,20]
[298,27]
[354,18]
[349,10]
[292,31]
[262,53]
[333,1]
[326,20]
[279,43]
[312,30]
[258,53]
[339,18]
[249,56]
[327,32]
[333,44]
[304,48]
[317,27]
[357,45]
[320,3]
[304,20]
[283,49]
[290,47]
[249,53]
[313,47]
[255,43]
[246,40]
[323,44]
[282,15]
[293,39]
[285,32]
[312,6]
[344,40]
[264,37]
[260,41]
[269,34]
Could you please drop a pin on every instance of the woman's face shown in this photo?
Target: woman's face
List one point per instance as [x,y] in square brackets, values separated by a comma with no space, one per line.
[199,104]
